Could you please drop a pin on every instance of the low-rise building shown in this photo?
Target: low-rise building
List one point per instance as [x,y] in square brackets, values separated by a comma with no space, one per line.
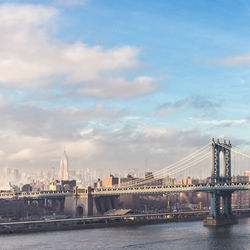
[110,181]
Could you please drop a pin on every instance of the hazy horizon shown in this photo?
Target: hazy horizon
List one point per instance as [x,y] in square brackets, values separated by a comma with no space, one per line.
[121,84]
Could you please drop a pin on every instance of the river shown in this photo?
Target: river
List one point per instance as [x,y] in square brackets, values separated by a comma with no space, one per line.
[174,236]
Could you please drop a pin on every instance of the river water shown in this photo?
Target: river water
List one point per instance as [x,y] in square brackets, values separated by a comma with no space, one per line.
[174,236]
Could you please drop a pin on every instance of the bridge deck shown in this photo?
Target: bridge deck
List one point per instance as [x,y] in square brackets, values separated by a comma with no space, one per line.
[34,194]
[170,189]
[130,190]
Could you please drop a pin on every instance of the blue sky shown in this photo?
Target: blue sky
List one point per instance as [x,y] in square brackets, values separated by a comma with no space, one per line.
[117,81]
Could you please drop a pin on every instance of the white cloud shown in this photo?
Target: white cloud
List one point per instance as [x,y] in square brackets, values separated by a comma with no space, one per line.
[156,132]
[70,2]
[24,15]
[2,154]
[166,111]
[86,131]
[65,122]
[119,87]
[4,101]
[84,148]
[225,123]
[243,59]
[24,154]
[31,57]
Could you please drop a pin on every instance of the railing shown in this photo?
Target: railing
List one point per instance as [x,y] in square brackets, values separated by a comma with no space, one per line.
[208,187]
[34,194]
[171,189]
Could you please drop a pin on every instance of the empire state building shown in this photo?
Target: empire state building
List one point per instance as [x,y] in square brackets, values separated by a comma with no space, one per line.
[63,173]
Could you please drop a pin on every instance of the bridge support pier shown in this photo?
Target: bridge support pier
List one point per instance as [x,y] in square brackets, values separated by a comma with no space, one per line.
[220,211]
[220,204]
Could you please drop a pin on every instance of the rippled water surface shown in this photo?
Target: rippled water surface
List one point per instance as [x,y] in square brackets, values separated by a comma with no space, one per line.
[189,235]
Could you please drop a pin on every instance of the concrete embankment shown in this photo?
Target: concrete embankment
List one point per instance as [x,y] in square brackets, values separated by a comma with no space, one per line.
[100,222]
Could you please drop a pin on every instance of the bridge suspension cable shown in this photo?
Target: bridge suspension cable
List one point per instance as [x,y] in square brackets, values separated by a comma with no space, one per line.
[167,169]
[206,156]
[174,168]
[156,178]
[236,150]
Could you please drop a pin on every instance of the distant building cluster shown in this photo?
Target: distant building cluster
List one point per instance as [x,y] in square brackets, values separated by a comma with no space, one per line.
[46,180]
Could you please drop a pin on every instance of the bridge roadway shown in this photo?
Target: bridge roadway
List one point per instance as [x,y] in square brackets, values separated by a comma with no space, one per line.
[34,195]
[109,191]
[208,187]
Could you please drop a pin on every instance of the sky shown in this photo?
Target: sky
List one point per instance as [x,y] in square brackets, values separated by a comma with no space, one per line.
[122,84]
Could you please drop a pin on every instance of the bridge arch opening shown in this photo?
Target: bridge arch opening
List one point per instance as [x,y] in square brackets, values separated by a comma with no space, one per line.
[221,163]
[79,211]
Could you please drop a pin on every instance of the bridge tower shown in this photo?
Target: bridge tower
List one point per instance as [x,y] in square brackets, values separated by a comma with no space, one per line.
[220,204]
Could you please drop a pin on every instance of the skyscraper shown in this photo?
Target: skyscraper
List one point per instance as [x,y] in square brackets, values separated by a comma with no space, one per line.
[63,173]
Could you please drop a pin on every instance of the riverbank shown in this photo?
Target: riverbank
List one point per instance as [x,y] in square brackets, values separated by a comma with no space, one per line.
[103,221]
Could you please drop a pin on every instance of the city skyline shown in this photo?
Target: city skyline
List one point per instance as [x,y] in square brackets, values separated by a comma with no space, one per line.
[120,83]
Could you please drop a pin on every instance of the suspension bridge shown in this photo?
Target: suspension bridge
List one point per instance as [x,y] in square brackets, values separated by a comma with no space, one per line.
[217,177]
[224,159]
[217,166]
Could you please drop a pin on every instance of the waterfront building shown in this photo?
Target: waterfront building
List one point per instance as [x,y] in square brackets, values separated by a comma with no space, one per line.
[68,184]
[247,173]
[240,199]
[55,185]
[127,179]
[97,184]
[26,188]
[189,181]
[110,181]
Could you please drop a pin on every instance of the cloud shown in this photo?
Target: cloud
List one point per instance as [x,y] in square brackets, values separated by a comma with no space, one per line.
[243,59]
[4,102]
[202,103]
[31,57]
[225,123]
[70,2]
[24,154]
[119,87]
[104,148]
[25,16]
[61,123]
[2,154]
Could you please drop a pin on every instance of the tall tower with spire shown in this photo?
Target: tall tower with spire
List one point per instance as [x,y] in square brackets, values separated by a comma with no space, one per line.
[63,173]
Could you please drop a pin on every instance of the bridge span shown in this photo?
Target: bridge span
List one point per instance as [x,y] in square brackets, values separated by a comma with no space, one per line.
[159,189]
[230,187]
[35,195]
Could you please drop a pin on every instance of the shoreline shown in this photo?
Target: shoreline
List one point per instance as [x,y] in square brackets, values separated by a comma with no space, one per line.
[101,222]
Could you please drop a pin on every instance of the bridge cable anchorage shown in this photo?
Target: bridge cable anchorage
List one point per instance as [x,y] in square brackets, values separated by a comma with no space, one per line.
[172,166]
[163,171]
